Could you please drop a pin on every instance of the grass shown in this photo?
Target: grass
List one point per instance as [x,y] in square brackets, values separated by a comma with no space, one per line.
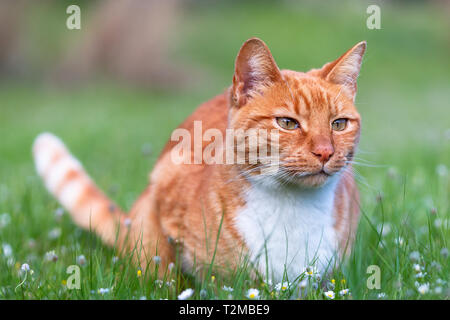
[403,176]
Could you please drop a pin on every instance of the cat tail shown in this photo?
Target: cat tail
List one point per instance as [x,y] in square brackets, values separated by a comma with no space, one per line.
[65,178]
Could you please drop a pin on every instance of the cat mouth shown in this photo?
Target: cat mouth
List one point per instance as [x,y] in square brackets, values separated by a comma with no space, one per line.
[320,173]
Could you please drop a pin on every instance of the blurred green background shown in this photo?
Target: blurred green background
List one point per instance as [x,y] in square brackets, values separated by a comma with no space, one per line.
[115,90]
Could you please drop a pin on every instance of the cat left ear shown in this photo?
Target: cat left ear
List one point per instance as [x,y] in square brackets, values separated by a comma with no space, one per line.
[255,69]
[345,70]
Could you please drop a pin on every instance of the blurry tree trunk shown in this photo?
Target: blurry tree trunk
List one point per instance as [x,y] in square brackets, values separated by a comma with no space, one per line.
[127,40]
[10,29]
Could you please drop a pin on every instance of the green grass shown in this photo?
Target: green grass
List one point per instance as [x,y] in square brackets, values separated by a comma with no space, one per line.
[403,99]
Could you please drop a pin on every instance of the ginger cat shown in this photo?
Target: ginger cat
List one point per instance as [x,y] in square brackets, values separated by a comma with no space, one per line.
[304,213]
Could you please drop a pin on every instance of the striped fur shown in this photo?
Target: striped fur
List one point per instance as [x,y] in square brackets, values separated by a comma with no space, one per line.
[66,179]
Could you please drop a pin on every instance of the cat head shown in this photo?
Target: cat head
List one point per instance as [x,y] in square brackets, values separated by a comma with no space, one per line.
[314,113]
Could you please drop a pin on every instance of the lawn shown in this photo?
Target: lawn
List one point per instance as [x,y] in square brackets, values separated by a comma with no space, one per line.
[117,132]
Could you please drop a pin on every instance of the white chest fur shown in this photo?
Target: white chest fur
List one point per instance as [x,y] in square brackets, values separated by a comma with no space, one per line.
[287,230]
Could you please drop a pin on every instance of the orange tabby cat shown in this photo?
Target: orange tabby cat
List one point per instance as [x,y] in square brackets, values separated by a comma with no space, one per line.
[301,214]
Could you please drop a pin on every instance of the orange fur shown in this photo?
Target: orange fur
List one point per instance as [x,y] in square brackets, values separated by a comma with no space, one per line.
[186,205]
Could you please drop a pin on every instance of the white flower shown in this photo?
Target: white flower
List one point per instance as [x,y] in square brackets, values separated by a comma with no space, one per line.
[414,256]
[438,290]
[417,268]
[344,292]
[59,212]
[10,261]
[81,260]
[170,266]
[25,267]
[399,241]
[159,283]
[421,275]
[170,283]
[253,293]
[103,290]
[381,295]
[268,283]
[437,223]
[157,260]
[5,219]
[384,229]
[7,250]
[310,271]
[143,298]
[302,284]
[186,294]
[127,222]
[329,294]
[442,170]
[115,259]
[51,256]
[447,134]
[54,233]
[282,286]
[424,288]
[228,289]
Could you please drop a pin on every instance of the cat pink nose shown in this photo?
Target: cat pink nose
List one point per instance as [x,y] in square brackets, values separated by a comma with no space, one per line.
[322,148]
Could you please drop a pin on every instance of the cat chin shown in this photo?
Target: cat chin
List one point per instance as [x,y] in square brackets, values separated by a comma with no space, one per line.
[312,181]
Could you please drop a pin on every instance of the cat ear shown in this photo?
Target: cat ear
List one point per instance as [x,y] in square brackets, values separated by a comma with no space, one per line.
[345,70]
[255,69]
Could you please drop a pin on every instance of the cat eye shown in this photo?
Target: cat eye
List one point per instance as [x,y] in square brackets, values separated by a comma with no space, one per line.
[339,124]
[287,123]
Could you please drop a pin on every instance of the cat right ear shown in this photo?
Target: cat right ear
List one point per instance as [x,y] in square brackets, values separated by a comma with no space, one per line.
[345,70]
[255,69]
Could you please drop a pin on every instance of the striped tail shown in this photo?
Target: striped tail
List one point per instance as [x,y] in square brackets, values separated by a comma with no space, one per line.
[66,179]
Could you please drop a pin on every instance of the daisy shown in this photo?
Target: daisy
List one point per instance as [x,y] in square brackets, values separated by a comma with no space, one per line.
[329,294]
[54,233]
[344,292]
[5,219]
[228,289]
[310,271]
[253,293]
[103,290]
[424,288]
[414,256]
[7,250]
[417,268]
[438,290]
[302,284]
[25,267]
[157,260]
[421,275]
[127,222]
[186,294]
[51,256]
[282,286]
[81,260]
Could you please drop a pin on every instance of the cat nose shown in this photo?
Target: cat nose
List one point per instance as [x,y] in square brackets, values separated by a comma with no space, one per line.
[322,148]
